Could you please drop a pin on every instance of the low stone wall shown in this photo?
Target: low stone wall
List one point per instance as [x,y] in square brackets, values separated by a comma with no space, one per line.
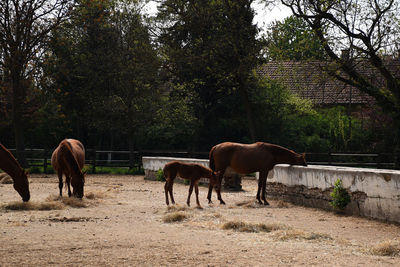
[151,165]
[374,193]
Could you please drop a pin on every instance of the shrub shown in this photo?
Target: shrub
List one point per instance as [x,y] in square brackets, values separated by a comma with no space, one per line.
[160,175]
[340,197]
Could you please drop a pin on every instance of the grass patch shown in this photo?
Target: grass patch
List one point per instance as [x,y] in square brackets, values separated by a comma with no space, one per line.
[385,248]
[295,234]
[252,228]
[50,205]
[174,217]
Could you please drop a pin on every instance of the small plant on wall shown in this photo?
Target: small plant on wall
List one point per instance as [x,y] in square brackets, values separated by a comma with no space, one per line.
[340,197]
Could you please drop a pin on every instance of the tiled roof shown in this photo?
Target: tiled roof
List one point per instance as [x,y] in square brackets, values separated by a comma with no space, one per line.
[308,80]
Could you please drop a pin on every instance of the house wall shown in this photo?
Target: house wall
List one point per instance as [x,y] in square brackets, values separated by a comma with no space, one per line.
[374,193]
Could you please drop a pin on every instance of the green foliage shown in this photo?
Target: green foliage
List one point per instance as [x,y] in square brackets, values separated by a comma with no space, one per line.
[160,175]
[293,39]
[340,196]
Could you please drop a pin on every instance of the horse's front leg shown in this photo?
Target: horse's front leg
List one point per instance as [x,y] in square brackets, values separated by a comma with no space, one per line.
[260,179]
[68,182]
[264,188]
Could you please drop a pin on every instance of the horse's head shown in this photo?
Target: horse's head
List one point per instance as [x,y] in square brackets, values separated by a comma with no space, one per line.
[301,159]
[21,185]
[77,183]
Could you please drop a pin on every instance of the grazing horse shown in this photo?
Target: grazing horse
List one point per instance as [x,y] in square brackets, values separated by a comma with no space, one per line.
[11,166]
[188,171]
[68,158]
[247,158]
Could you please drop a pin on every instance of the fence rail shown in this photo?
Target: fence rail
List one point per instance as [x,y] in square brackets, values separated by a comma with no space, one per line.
[133,159]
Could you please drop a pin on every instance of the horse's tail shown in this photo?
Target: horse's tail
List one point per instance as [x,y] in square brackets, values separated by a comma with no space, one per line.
[211,158]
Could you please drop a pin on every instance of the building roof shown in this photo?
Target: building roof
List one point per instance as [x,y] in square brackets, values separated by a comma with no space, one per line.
[308,80]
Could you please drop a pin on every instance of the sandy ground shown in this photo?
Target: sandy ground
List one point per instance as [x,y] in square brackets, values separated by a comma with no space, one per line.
[123,225]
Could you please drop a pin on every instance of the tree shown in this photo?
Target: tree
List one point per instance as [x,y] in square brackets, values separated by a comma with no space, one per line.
[367,32]
[293,39]
[104,70]
[211,48]
[24,28]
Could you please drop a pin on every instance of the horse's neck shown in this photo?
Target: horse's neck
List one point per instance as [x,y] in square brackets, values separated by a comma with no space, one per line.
[9,164]
[284,156]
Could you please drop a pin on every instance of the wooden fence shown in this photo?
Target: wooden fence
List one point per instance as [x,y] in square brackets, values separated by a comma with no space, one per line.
[128,159]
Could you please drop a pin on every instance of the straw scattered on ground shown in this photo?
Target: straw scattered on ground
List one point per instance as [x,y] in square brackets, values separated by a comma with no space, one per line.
[174,217]
[252,227]
[297,234]
[31,205]
[385,248]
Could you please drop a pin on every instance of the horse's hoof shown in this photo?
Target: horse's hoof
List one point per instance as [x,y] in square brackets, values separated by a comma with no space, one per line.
[199,207]
[222,202]
[266,203]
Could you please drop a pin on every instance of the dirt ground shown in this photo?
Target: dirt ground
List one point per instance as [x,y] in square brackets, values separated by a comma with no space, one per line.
[122,224]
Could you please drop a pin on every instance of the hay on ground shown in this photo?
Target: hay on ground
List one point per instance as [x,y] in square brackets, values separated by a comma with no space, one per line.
[296,234]
[174,217]
[5,179]
[385,248]
[252,228]
[17,205]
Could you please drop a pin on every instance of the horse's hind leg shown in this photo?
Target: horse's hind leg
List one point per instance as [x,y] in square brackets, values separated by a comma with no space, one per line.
[210,188]
[219,185]
[60,182]
[166,191]
[190,192]
[170,188]
[196,190]
[68,182]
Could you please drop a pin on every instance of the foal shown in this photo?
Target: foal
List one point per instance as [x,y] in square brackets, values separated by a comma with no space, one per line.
[188,171]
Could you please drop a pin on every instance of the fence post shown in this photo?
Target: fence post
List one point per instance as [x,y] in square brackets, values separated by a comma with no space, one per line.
[94,161]
[329,158]
[45,160]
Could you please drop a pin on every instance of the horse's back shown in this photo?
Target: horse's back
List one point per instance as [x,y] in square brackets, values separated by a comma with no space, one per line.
[243,158]
[77,149]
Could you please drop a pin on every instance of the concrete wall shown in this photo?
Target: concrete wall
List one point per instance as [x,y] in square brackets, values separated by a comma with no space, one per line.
[151,165]
[374,193]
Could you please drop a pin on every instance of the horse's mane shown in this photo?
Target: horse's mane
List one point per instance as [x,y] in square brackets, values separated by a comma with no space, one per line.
[282,151]
[66,150]
[11,165]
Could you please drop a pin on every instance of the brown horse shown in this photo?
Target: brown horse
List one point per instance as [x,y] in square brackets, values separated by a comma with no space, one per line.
[68,158]
[188,171]
[247,158]
[11,166]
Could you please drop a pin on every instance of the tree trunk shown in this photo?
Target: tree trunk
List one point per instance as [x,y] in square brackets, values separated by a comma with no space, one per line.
[247,105]
[18,125]
[131,143]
